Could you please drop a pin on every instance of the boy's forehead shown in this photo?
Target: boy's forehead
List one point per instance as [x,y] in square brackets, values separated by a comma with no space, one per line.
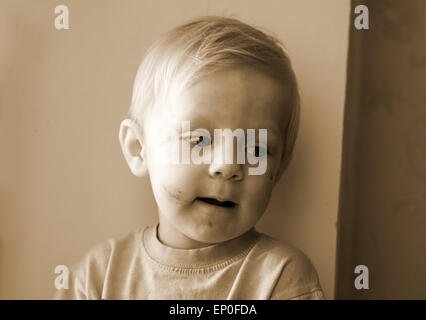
[236,96]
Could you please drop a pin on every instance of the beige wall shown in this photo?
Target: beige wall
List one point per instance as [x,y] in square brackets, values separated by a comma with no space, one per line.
[64,185]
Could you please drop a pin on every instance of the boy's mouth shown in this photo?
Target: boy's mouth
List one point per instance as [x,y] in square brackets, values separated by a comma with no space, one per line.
[215,202]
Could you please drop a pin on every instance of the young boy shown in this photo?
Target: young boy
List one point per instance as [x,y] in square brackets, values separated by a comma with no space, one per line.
[211,74]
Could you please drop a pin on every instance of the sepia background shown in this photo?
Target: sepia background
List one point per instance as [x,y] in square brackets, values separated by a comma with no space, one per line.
[64,185]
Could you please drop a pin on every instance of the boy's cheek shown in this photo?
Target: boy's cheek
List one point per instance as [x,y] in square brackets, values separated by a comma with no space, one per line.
[272,171]
[164,153]
[179,177]
[260,189]
[262,179]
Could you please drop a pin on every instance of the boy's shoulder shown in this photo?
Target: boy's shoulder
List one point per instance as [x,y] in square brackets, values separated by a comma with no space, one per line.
[297,276]
[87,276]
[121,245]
[98,259]
[279,250]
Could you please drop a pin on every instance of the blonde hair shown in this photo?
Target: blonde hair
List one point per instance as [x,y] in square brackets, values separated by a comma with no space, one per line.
[193,50]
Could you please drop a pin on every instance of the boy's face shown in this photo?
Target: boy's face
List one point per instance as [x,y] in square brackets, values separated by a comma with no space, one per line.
[186,193]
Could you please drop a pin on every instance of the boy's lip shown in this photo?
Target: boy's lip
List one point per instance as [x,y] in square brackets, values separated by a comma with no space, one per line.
[218,201]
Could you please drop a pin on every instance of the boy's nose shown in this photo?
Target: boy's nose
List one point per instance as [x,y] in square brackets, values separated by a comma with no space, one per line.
[224,164]
[233,171]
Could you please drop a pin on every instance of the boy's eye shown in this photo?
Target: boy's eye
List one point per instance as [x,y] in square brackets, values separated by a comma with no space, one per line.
[257,151]
[200,140]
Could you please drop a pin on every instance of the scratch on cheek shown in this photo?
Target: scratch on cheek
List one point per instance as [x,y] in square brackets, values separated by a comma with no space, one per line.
[176,195]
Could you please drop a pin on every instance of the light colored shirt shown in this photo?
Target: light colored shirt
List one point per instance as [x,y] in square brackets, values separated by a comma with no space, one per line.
[139,266]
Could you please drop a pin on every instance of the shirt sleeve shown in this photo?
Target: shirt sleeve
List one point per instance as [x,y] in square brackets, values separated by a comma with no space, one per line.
[76,288]
[298,280]
[86,278]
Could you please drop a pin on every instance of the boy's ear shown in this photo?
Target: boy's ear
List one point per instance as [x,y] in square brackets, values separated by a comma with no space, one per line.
[133,147]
